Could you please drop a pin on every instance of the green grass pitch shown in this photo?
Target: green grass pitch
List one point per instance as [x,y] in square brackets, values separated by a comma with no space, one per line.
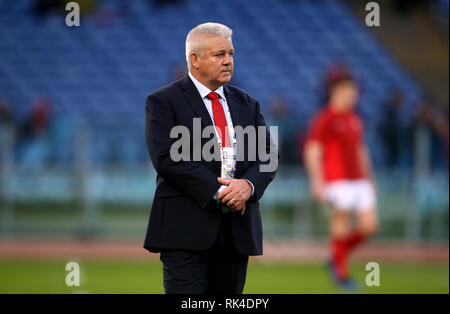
[101,276]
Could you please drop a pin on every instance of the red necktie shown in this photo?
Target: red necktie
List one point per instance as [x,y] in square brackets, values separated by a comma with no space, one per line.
[219,119]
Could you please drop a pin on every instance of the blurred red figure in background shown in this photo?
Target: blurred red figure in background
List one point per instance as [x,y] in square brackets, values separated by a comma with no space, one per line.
[38,122]
[40,116]
[340,171]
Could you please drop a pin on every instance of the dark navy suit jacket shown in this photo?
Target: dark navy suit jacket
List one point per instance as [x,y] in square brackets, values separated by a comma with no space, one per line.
[184,214]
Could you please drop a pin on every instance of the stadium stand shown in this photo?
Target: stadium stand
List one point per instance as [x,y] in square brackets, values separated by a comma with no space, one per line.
[101,72]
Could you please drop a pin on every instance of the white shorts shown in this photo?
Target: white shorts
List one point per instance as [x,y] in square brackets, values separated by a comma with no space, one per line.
[349,195]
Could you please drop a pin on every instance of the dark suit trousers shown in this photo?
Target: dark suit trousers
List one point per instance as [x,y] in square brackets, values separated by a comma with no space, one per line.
[217,270]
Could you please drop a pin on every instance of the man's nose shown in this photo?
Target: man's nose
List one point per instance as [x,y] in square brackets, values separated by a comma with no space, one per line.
[227,60]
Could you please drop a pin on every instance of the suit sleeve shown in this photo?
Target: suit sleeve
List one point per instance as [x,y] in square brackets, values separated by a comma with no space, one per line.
[261,179]
[190,177]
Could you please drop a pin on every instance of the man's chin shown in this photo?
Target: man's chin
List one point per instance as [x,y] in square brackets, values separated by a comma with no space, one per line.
[225,80]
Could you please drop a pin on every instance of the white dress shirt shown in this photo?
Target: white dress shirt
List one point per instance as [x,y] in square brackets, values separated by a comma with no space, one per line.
[204,91]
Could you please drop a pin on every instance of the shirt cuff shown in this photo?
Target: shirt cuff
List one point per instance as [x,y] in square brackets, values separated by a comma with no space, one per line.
[253,187]
[222,187]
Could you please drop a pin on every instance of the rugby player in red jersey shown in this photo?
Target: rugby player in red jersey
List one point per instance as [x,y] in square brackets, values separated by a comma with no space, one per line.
[340,171]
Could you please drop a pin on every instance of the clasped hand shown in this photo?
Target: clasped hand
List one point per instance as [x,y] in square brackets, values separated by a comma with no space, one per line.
[236,194]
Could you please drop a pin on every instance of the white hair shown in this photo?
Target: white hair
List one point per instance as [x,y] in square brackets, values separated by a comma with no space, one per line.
[194,37]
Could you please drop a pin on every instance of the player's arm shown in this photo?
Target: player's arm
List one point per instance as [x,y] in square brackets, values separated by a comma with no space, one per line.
[366,164]
[313,162]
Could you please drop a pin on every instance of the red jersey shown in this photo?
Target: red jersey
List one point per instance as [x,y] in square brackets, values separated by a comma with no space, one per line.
[341,134]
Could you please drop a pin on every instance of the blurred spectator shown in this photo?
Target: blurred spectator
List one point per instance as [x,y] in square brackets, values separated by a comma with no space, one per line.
[7,124]
[5,112]
[432,117]
[280,115]
[6,129]
[37,123]
[396,136]
[39,120]
[31,145]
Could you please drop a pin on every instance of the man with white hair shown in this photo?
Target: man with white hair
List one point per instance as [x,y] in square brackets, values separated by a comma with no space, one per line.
[205,218]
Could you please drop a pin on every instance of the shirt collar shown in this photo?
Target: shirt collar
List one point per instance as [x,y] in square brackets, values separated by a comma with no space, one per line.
[203,90]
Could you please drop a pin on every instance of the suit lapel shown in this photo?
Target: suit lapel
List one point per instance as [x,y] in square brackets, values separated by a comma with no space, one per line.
[239,115]
[195,100]
[237,109]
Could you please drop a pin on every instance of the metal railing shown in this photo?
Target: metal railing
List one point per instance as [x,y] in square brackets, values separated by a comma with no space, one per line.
[114,200]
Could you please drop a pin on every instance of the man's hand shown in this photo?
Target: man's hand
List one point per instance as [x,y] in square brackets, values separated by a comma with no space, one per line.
[237,192]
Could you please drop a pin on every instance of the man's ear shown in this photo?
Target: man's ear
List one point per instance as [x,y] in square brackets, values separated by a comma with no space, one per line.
[194,59]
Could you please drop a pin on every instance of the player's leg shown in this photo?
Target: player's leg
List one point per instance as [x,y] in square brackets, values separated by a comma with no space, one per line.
[338,197]
[340,223]
[367,224]
[367,219]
